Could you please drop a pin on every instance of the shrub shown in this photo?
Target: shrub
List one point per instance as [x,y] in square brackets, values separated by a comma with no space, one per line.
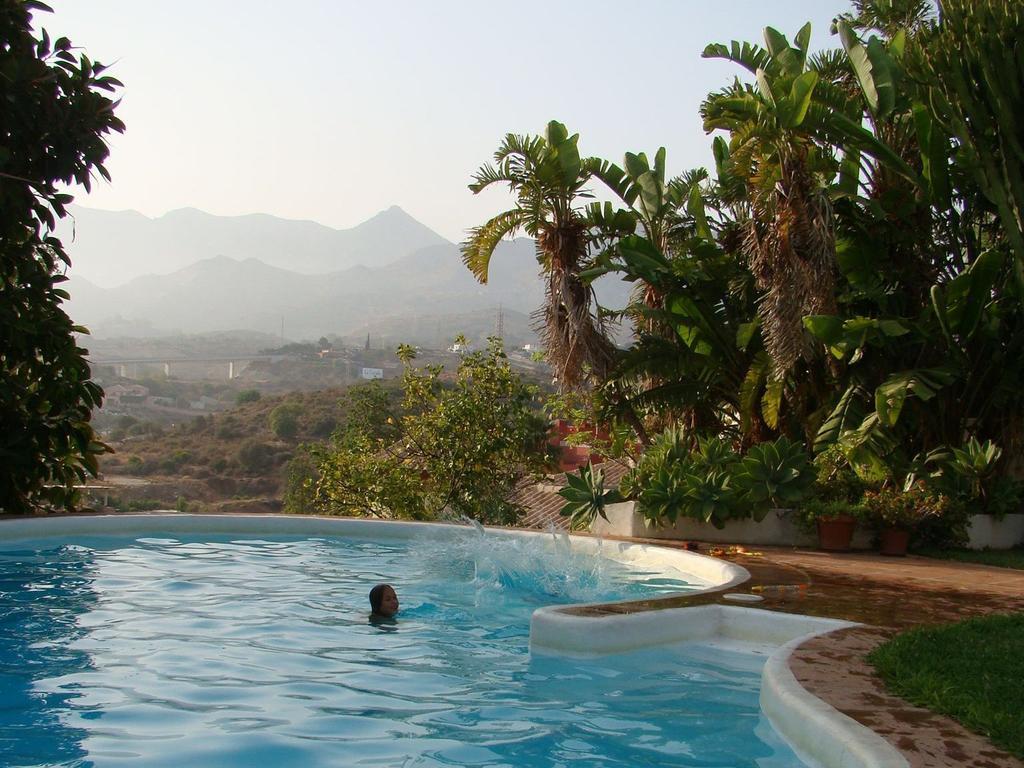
[300,484]
[255,456]
[175,461]
[819,508]
[324,426]
[933,518]
[229,429]
[284,420]
[586,497]
[247,396]
[835,479]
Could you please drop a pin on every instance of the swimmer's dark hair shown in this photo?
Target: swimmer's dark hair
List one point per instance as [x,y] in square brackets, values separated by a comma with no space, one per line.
[377,596]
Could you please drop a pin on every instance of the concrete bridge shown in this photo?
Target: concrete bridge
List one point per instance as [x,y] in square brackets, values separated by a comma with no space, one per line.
[128,367]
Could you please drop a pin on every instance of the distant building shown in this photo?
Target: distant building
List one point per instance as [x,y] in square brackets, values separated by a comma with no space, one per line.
[125,393]
[372,373]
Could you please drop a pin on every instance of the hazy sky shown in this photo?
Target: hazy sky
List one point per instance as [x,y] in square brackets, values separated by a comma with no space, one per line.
[333,110]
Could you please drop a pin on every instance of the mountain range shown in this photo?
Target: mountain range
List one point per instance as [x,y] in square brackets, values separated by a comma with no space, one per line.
[260,273]
[110,248]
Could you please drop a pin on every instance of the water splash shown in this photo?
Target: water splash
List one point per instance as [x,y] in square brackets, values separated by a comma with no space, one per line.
[544,567]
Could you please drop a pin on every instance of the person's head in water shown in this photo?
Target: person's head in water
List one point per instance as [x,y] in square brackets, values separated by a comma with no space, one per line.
[383,600]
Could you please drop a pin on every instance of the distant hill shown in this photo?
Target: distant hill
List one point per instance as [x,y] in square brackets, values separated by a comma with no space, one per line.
[110,248]
[267,275]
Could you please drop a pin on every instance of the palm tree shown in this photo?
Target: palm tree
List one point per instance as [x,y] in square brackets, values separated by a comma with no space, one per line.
[790,245]
[548,179]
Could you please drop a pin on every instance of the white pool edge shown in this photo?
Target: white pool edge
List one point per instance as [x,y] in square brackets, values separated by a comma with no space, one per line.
[709,573]
[818,733]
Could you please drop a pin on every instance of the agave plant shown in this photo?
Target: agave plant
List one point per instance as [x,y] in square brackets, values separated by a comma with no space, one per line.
[776,474]
[586,497]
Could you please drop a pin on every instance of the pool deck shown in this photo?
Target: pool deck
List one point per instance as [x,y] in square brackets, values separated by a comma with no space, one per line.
[887,595]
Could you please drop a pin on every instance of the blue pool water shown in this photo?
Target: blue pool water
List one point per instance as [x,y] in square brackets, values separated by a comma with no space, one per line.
[226,651]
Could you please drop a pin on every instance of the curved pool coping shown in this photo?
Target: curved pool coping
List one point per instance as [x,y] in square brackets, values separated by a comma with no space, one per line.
[712,574]
[820,734]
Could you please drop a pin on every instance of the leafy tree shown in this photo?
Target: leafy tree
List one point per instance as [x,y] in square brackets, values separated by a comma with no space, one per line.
[848,285]
[450,447]
[55,118]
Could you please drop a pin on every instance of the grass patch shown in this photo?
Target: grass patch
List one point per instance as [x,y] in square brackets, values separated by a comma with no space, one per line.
[1003,558]
[971,671]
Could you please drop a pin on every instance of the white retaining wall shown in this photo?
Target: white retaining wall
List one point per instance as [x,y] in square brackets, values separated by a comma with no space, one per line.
[778,529]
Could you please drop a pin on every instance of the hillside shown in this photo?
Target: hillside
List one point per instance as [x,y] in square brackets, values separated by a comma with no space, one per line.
[226,460]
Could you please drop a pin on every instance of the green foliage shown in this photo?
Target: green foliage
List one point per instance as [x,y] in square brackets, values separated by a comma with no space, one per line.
[850,278]
[835,479]
[284,420]
[933,518]
[970,671]
[175,461]
[255,456]
[971,65]
[776,474]
[1000,558]
[299,496]
[247,396]
[53,125]
[672,481]
[450,447]
[548,177]
[586,497]
[971,475]
[814,509]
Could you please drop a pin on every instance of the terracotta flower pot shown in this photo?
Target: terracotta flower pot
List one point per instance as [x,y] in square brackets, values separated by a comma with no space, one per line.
[893,541]
[835,533]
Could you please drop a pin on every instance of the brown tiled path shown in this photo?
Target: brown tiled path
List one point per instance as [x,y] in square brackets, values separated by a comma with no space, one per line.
[888,595]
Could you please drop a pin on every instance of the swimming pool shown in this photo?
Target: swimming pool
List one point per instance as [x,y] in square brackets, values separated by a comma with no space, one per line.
[172,648]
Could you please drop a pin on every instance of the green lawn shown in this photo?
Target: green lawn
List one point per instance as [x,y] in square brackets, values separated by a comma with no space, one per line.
[1004,558]
[971,671]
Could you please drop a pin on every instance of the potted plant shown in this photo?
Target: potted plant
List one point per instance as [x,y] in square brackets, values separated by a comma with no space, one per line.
[834,520]
[834,509]
[897,514]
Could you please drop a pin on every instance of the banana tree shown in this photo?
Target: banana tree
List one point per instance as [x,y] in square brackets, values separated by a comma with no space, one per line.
[974,77]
